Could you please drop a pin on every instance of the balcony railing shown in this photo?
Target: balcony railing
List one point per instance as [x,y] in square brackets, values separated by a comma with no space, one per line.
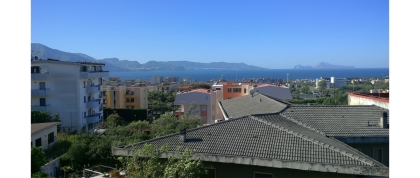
[94,103]
[94,74]
[40,92]
[93,88]
[40,76]
[93,118]
[40,108]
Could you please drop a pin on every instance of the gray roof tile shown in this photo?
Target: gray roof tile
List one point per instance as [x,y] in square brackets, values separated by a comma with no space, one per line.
[267,137]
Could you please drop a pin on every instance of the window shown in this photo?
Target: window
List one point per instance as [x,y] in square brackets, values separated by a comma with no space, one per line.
[204,118]
[263,175]
[229,90]
[377,154]
[203,108]
[244,90]
[35,69]
[114,94]
[38,142]
[84,114]
[50,137]
[84,84]
[42,102]
[236,90]
[84,99]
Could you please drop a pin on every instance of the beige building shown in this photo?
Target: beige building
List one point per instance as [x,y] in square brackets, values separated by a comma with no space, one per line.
[126,97]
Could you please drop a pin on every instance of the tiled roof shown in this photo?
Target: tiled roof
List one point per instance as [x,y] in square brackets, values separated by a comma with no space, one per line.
[268,137]
[251,104]
[40,126]
[341,121]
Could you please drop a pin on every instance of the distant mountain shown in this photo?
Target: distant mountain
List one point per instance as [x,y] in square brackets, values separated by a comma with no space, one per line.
[324,65]
[116,65]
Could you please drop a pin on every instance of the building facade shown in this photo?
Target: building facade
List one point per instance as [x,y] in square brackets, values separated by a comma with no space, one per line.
[44,134]
[73,90]
[156,80]
[126,97]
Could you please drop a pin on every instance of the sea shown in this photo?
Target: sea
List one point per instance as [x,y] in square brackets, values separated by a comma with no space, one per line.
[234,75]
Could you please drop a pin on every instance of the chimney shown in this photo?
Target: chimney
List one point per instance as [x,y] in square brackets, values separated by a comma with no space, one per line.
[183,135]
[383,122]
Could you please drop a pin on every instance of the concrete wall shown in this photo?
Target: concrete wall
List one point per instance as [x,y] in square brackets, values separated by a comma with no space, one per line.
[52,169]
[248,171]
[185,100]
[367,149]
[356,100]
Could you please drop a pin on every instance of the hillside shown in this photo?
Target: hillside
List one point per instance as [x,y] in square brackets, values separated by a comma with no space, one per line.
[116,65]
[324,65]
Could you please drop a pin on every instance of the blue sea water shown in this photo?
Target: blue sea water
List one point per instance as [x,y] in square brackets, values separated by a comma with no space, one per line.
[232,75]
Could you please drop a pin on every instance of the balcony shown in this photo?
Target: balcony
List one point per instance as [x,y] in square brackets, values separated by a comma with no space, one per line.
[40,92]
[93,88]
[94,103]
[40,108]
[40,76]
[93,118]
[94,74]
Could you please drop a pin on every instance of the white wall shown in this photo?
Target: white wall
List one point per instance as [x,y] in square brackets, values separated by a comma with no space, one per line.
[44,137]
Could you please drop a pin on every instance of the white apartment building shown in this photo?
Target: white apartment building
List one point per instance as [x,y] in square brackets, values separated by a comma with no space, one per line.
[73,90]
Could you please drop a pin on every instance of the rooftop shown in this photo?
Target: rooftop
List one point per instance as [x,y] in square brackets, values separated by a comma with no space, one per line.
[41,126]
[269,140]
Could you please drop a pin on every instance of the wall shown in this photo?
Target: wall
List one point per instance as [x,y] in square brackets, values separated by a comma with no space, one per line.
[248,171]
[367,149]
[52,169]
[357,100]
[44,137]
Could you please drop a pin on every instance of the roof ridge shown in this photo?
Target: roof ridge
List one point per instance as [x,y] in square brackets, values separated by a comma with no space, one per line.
[176,133]
[316,142]
[304,125]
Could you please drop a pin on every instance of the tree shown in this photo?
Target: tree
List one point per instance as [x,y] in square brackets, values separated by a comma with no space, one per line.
[147,163]
[201,85]
[322,85]
[305,89]
[38,159]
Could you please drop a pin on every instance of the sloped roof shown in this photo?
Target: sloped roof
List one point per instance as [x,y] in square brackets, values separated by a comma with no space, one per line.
[341,121]
[271,141]
[41,126]
[251,104]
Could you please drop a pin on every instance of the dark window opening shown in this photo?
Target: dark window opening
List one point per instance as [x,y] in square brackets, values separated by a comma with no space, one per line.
[50,137]
[38,142]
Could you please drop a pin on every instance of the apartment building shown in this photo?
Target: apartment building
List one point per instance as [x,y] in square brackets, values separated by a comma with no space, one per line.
[332,82]
[125,97]
[156,80]
[233,90]
[71,89]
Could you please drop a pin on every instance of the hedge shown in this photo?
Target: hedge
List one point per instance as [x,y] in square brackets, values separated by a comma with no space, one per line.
[129,115]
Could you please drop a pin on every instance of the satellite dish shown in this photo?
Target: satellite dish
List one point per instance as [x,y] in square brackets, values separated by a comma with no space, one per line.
[36,58]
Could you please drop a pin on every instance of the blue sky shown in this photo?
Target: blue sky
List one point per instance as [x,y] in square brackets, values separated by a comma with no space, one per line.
[272,34]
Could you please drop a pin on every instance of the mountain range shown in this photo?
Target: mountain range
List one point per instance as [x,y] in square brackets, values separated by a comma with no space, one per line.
[324,65]
[116,65]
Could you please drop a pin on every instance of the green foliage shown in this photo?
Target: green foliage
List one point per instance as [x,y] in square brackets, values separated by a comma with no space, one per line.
[39,174]
[168,124]
[147,163]
[305,89]
[38,159]
[113,120]
[129,115]
[322,85]
[41,117]
[160,101]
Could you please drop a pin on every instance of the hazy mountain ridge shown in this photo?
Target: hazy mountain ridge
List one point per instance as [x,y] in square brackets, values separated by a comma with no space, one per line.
[324,65]
[116,65]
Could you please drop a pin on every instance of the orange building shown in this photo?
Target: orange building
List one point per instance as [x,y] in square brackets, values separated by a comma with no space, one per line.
[233,90]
